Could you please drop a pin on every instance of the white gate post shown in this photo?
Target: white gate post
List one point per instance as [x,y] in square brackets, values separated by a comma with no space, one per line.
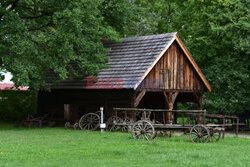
[102,125]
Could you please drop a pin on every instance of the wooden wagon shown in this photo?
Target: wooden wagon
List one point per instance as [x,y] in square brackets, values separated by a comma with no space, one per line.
[143,124]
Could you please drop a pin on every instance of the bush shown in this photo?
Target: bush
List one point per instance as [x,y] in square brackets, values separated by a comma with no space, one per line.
[16,105]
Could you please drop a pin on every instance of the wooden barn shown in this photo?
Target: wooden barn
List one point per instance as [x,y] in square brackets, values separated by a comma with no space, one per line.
[154,71]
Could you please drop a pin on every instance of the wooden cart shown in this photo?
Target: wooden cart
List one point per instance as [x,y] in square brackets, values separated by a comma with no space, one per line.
[89,121]
[147,125]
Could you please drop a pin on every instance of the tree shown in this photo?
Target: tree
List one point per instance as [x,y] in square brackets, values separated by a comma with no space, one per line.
[41,35]
[218,38]
[217,34]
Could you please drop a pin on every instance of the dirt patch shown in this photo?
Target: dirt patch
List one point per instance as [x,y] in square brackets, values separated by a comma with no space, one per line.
[241,134]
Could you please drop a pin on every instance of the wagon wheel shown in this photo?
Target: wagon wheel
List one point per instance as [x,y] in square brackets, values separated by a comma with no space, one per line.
[67,125]
[89,121]
[76,126]
[215,135]
[199,134]
[111,123]
[124,128]
[127,122]
[143,129]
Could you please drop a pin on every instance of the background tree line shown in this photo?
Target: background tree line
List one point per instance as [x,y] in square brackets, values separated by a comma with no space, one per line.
[38,35]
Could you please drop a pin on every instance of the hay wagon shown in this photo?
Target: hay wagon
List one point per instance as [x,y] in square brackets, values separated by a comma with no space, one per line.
[143,124]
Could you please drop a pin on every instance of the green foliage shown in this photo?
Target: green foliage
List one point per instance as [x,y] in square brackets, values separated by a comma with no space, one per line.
[16,105]
[127,18]
[165,14]
[219,41]
[41,35]
[217,34]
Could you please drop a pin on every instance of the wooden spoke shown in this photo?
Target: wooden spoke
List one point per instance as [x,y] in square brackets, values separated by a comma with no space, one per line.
[215,136]
[127,122]
[143,129]
[199,134]
[89,121]
[112,122]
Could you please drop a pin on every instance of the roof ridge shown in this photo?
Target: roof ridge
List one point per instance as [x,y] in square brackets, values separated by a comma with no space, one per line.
[147,36]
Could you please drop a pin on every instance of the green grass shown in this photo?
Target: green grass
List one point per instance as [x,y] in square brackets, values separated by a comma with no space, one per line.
[60,147]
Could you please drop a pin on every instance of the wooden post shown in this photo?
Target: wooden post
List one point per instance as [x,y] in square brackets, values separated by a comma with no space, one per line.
[183,120]
[164,119]
[166,96]
[237,126]
[224,122]
[170,107]
[170,99]
[170,114]
[66,112]
[175,114]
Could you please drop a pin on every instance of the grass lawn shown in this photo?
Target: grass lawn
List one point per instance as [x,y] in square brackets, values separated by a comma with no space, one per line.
[60,147]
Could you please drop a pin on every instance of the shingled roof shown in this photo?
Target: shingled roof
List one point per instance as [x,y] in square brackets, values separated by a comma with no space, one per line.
[131,60]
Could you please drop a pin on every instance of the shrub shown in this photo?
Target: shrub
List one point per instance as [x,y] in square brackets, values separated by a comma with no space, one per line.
[16,105]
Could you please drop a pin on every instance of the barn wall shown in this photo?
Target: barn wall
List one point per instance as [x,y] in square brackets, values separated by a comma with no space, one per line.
[174,72]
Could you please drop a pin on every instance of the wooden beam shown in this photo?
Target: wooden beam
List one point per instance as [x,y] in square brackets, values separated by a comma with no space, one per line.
[201,119]
[170,98]
[172,90]
[166,98]
[174,95]
[200,101]
[159,110]
[139,97]
[132,100]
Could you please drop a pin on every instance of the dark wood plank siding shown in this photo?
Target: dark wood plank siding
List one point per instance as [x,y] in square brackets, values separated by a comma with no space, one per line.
[83,100]
[179,73]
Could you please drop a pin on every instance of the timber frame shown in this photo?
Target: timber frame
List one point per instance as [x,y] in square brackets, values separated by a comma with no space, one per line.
[155,71]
